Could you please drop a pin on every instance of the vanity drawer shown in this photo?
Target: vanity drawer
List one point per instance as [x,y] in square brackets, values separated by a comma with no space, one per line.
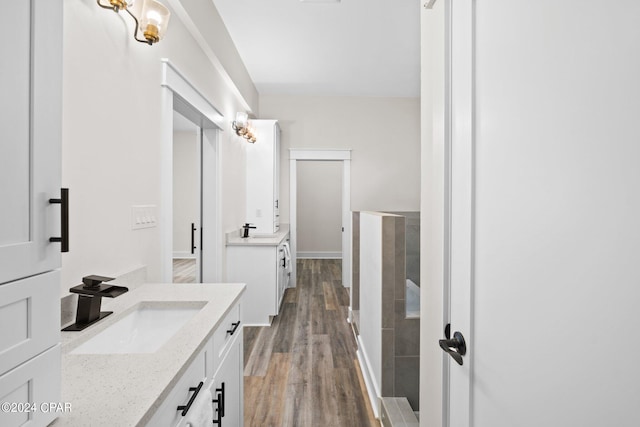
[168,414]
[224,334]
[29,321]
[29,388]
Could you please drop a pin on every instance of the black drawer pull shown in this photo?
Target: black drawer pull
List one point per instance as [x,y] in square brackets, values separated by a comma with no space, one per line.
[233,329]
[193,238]
[219,405]
[185,408]
[63,201]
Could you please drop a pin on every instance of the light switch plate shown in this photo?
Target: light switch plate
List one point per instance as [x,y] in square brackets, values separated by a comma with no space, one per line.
[143,216]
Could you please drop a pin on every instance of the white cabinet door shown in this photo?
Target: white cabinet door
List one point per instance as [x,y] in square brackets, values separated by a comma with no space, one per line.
[228,389]
[29,318]
[257,266]
[263,159]
[276,177]
[30,132]
[27,391]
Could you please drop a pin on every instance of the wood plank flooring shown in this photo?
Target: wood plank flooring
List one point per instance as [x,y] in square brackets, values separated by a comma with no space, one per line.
[184,270]
[302,370]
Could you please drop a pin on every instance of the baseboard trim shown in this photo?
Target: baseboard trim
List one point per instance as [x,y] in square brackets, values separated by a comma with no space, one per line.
[367,375]
[318,255]
[183,255]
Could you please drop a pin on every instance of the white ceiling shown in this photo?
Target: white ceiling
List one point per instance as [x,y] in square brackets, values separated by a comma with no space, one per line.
[325,47]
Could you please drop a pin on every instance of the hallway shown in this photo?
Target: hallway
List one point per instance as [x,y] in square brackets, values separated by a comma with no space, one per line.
[302,370]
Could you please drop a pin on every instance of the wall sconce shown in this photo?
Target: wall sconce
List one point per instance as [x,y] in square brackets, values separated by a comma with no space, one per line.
[243,128]
[154,17]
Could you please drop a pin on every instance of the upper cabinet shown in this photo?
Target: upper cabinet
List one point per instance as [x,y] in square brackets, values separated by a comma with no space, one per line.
[30,165]
[30,131]
[263,177]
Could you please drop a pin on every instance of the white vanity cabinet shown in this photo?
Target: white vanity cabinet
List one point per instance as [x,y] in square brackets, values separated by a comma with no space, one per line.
[227,391]
[263,177]
[261,264]
[218,367]
[30,164]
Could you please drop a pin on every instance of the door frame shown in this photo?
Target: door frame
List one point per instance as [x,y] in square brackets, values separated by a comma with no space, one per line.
[459,290]
[341,155]
[448,200]
[178,91]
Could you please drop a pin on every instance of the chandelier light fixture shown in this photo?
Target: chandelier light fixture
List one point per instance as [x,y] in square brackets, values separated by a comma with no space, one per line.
[151,17]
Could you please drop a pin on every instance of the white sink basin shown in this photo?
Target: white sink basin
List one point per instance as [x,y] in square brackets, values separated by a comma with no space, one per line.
[144,330]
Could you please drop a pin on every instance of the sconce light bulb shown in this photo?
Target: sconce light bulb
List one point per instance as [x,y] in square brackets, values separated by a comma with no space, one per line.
[151,34]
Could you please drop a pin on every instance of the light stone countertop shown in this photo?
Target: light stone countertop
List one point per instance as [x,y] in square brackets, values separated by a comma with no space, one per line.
[126,389]
[234,239]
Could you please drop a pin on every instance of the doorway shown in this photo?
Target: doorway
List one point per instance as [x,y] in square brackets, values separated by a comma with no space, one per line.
[204,237]
[343,156]
[319,209]
[187,200]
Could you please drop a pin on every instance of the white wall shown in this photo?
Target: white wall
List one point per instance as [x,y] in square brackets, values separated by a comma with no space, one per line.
[111,122]
[370,325]
[186,189]
[432,248]
[384,134]
[319,207]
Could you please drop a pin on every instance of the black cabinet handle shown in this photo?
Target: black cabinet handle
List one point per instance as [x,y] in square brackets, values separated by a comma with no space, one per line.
[234,327]
[193,239]
[64,220]
[456,347]
[219,405]
[185,408]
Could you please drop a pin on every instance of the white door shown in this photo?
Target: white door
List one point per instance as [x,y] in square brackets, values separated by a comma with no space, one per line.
[545,204]
[30,129]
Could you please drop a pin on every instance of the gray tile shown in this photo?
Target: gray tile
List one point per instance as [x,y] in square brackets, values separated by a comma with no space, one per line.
[407,379]
[407,333]
[388,363]
[400,265]
[388,270]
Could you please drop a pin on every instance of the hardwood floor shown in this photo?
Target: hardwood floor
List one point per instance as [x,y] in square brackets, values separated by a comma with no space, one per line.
[302,370]
[184,270]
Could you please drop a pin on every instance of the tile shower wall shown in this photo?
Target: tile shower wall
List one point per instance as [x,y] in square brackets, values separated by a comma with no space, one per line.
[412,237]
[400,336]
[403,335]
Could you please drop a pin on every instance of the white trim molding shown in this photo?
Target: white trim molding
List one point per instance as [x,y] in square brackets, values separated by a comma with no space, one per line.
[173,79]
[183,255]
[373,390]
[183,15]
[344,156]
[319,255]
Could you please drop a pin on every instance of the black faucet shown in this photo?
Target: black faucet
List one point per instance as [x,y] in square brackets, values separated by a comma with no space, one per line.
[90,296]
[245,230]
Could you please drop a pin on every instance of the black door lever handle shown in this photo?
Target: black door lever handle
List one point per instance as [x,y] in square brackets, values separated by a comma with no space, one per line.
[455,347]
